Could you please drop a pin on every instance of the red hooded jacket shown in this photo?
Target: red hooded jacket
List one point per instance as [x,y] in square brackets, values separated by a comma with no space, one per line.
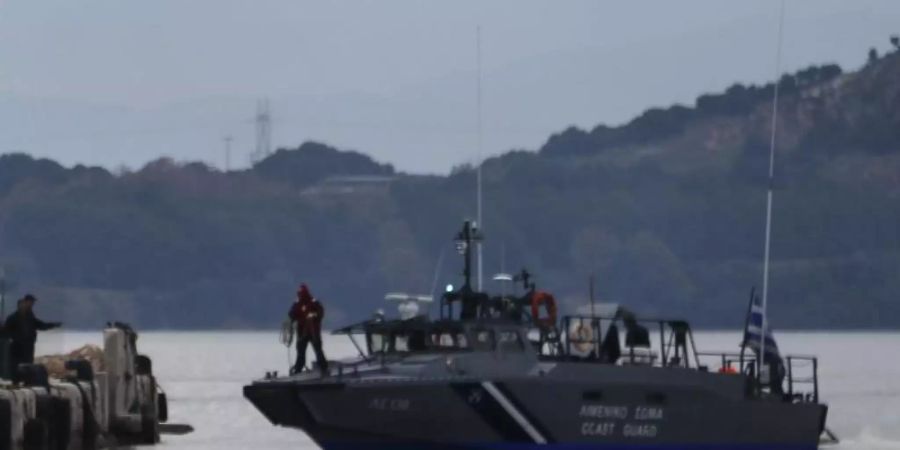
[307,312]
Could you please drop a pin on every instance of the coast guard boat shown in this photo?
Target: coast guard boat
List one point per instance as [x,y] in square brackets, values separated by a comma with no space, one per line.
[506,373]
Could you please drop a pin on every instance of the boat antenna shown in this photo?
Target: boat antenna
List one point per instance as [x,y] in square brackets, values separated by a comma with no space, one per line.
[771,182]
[478,148]
[464,239]
[591,294]
[502,268]
[2,291]
[437,273]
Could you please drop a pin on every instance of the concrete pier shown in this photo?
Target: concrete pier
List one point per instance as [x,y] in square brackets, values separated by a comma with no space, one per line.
[84,409]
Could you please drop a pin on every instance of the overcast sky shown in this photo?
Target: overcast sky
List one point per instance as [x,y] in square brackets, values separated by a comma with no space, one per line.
[115,82]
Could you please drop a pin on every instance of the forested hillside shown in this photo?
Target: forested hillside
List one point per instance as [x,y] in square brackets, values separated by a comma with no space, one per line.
[666,211]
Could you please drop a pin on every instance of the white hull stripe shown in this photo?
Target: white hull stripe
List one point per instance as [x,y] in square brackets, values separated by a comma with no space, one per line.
[513,412]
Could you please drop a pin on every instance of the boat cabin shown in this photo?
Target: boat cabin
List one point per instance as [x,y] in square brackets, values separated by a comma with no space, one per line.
[619,339]
[528,323]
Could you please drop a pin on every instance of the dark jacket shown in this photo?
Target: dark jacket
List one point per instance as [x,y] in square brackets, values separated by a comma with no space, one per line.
[22,328]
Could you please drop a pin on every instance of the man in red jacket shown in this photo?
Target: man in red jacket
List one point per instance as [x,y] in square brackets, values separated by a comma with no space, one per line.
[307,313]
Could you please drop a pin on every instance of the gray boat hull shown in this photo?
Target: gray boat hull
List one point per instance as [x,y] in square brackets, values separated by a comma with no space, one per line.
[577,407]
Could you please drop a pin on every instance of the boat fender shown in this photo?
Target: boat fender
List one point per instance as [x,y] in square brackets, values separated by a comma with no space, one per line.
[45,413]
[46,410]
[82,368]
[91,429]
[61,425]
[162,407]
[5,423]
[33,375]
[149,426]
[21,408]
[143,365]
[72,419]
[549,302]
[35,435]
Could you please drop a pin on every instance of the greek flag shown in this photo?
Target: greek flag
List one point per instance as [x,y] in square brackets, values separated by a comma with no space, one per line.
[753,331]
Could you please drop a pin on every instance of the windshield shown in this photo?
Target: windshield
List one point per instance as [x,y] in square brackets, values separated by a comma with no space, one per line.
[415,340]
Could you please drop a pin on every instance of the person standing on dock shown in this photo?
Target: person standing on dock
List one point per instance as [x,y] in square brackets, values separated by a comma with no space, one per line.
[21,327]
[307,313]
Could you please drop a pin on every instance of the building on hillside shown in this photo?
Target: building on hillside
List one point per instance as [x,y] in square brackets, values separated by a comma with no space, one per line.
[351,185]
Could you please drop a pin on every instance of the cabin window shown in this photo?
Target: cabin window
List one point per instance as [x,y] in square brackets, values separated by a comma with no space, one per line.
[483,340]
[377,343]
[510,341]
[442,340]
[401,343]
[449,341]
[462,341]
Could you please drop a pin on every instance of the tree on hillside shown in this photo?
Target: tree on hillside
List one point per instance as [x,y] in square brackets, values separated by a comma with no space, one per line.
[650,276]
[873,55]
[895,41]
[594,251]
[313,162]
[17,167]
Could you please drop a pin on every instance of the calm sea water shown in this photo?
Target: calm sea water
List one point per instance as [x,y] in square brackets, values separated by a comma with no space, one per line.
[203,373]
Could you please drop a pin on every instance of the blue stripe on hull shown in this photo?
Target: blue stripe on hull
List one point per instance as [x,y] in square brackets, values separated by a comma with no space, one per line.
[558,446]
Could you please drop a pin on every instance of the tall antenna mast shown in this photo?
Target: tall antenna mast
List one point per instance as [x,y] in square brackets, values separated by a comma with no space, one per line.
[263,121]
[765,293]
[591,295]
[503,268]
[478,147]
[2,291]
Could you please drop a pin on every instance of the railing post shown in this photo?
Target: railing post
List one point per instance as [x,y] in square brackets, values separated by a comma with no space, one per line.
[757,377]
[662,345]
[790,374]
[759,370]
[815,363]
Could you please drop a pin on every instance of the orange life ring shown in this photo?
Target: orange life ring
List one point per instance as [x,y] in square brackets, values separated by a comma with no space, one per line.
[542,298]
[728,370]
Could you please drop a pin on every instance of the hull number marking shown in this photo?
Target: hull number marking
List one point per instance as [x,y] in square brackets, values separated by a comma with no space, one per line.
[389,404]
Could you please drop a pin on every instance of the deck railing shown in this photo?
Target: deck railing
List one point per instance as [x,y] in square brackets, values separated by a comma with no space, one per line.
[803,371]
[800,378]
